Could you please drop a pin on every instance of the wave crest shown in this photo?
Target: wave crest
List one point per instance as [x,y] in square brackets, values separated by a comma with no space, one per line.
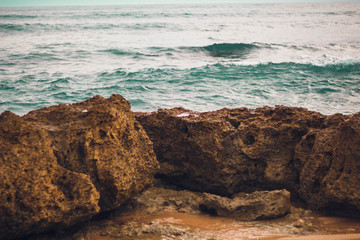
[226,50]
[16,16]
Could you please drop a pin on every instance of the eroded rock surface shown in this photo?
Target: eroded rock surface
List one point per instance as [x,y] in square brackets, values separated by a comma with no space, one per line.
[35,191]
[158,199]
[316,157]
[163,213]
[328,161]
[64,164]
[254,206]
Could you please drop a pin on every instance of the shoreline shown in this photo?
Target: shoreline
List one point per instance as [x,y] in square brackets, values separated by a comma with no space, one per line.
[165,213]
[321,237]
[97,157]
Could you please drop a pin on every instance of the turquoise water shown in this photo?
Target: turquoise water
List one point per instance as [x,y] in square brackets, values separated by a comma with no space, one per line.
[202,57]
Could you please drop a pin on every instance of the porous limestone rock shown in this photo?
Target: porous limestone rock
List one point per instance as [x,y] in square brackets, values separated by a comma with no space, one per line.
[314,156]
[155,200]
[37,193]
[230,150]
[254,206]
[64,164]
[328,161]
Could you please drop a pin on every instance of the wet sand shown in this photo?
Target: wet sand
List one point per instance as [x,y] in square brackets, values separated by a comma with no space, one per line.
[323,237]
[174,224]
[166,214]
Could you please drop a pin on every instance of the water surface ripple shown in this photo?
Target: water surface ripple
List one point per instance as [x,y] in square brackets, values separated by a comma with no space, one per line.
[203,57]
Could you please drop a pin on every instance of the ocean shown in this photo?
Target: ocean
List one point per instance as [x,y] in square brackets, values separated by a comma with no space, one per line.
[201,57]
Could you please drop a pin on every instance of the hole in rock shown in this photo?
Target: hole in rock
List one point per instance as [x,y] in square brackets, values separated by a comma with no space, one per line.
[102,133]
[249,139]
[234,123]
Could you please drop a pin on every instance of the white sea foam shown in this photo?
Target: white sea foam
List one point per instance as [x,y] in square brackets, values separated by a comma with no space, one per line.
[186,114]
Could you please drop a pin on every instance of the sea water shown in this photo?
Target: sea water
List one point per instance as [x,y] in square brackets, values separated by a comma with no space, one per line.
[202,57]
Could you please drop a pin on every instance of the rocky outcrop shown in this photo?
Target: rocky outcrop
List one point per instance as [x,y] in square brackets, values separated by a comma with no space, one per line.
[254,206]
[37,193]
[64,164]
[328,161]
[258,205]
[158,199]
[316,157]
[165,213]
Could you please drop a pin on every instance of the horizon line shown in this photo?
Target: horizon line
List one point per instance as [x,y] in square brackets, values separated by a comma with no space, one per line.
[183,3]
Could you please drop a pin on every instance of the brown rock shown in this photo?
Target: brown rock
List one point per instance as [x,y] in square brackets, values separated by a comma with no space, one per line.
[64,164]
[316,157]
[36,192]
[157,199]
[228,151]
[330,167]
[255,206]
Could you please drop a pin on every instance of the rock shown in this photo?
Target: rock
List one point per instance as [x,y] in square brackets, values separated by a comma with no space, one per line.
[329,167]
[254,206]
[315,157]
[37,193]
[157,213]
[64,164]
[157,199]
[101,138]
[228,151]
